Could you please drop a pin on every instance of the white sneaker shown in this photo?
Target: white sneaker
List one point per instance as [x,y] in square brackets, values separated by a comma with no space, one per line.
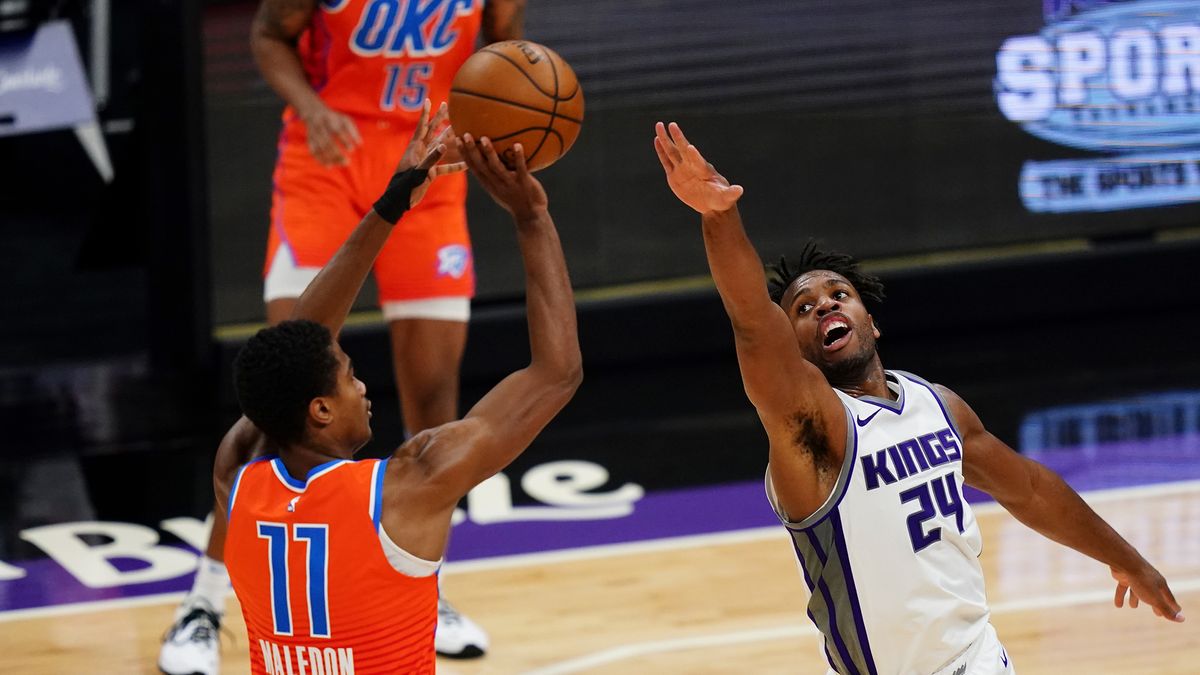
[192,645]
[457,636]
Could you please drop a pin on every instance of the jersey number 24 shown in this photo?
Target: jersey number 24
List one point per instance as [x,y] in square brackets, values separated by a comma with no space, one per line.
[945,493]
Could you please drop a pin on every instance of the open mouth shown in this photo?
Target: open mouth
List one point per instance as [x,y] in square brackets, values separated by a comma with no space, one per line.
[835,334]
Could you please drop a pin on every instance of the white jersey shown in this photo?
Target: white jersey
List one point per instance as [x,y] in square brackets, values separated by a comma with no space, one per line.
[892,557]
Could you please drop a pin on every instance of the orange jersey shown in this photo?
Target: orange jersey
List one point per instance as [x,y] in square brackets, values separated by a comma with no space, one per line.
[317,591]
[383,58]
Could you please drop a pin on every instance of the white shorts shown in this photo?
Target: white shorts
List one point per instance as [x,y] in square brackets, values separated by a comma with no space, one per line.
[985,656]
[285,279]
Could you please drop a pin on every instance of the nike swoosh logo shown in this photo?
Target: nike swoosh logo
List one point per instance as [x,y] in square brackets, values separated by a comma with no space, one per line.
[1004,657]
[863,423]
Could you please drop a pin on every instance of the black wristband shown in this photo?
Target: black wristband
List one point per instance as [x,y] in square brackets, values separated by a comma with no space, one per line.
[396,197]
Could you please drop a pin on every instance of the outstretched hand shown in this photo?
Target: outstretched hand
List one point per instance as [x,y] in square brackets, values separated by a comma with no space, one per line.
[516,190]
[426,149]
[1148,586]
[693,180]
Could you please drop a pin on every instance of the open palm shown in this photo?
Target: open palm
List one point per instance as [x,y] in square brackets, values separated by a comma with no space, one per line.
[427,147]
[693,180]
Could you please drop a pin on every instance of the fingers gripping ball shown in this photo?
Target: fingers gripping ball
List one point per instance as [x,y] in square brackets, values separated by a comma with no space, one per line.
[518,92]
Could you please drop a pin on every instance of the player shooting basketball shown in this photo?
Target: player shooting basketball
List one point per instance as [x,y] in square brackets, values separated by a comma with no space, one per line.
[334,561]
[353,74]
[866,464]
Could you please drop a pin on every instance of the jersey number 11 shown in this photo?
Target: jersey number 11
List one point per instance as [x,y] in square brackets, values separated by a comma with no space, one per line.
[316,537]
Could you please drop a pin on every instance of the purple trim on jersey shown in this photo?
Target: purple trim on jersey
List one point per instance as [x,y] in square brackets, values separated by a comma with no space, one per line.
[851,459]
[896,407]
[816,544]
[937,397]
[808,580]
[833,628]
[839,541]
[830,606]
[804,569]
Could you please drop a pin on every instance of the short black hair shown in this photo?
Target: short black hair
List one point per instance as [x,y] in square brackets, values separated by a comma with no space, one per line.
[781,275]
[279,371]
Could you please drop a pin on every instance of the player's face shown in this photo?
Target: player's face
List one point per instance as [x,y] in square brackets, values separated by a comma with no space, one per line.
[832,325]
[351,407]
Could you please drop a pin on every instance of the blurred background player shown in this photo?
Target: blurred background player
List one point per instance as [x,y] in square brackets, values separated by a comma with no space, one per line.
[354,74]
[866,465]
[334,561]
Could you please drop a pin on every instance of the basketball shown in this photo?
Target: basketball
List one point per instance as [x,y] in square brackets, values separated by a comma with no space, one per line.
[518,92]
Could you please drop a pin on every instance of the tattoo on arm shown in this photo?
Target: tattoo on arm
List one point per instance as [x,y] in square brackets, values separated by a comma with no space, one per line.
[284,19]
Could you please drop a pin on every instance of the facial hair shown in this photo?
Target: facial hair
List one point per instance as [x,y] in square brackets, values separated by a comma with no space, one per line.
[852,370]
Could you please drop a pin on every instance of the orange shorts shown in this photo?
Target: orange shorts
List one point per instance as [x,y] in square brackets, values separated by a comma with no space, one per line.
[315,208]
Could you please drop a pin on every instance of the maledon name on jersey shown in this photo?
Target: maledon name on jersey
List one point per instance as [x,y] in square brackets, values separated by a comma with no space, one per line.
[892,557]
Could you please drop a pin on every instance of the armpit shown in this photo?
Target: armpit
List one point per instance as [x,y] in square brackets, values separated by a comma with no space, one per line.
[810,438]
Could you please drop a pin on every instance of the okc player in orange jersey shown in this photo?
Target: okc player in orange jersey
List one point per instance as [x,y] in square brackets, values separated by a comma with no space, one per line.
[335,561]
[354,74]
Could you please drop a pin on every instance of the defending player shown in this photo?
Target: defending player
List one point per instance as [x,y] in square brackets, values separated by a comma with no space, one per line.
[335,561]
[866,464]
[354,74]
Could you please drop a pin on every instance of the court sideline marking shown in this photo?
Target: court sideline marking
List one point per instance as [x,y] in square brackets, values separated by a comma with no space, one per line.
[596,552]
[630,651]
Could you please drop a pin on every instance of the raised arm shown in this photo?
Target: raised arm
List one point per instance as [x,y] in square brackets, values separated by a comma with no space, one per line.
[277,26]
[798,408]
[328,299]
[1043,501]
[503,20]
[455,457]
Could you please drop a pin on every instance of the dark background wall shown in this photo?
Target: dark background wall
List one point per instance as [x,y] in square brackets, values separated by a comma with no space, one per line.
[872,125]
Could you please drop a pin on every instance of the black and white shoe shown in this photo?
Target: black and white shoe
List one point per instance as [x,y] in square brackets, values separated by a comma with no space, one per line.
[457,636]
[192,645]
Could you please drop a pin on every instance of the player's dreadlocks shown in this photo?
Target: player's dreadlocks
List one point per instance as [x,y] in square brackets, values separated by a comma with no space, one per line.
[780,275]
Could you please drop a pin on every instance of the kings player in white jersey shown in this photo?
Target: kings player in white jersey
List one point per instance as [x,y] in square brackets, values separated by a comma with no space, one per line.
[867,465]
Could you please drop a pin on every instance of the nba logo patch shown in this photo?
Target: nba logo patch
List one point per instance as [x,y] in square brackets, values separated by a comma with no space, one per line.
[453,261]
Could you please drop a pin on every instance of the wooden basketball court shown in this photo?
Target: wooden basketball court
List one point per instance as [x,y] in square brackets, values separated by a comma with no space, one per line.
[725,603]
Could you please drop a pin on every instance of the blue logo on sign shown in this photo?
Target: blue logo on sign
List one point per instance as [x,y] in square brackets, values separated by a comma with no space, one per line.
[1107,76]
[1119,77]
[453,261]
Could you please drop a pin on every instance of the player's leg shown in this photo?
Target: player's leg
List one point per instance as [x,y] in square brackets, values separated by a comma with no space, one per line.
[191,644]
[427,353]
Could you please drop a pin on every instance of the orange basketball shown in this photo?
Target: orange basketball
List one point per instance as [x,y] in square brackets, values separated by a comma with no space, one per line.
[518,92]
